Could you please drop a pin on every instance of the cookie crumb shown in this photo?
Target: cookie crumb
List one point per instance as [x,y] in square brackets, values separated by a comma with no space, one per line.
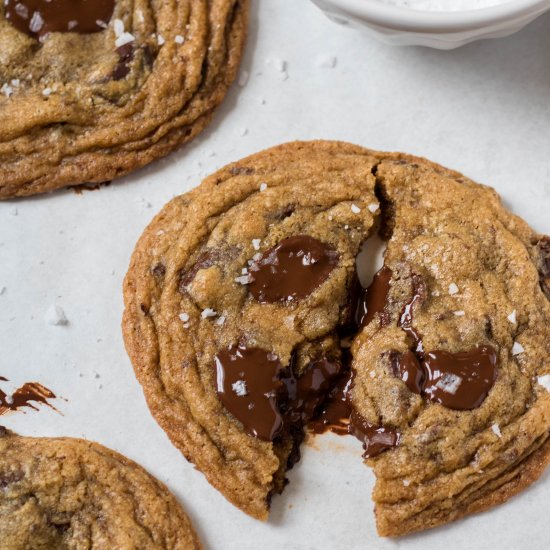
[544,381]
[208,312]
[2,290]
[496,430]
[56,316]
[355,209]
[517,348]
[256,244]
[512,317]
[243,132]
[453,289]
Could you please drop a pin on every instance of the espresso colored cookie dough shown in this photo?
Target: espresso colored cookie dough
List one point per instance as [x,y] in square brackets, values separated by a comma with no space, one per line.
[88,99]
[71,493]
[448,381]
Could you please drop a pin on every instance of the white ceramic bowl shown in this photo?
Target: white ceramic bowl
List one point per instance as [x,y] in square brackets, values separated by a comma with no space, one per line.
[442,30]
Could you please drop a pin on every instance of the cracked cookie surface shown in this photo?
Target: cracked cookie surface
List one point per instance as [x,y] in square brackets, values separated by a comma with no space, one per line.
[194,303]
[89,107]
[71,493]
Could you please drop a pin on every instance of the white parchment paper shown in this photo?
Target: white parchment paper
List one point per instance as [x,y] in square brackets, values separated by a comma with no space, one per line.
[484,110]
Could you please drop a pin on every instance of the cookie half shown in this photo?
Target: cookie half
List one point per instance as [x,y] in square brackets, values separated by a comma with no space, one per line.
[242,300]
[62,492]
[88,95]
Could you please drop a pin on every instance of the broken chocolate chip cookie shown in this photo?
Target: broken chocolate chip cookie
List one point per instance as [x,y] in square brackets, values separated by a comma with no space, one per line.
[242,301]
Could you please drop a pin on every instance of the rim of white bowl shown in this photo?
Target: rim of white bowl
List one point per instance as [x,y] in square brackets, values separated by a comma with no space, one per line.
[407,19]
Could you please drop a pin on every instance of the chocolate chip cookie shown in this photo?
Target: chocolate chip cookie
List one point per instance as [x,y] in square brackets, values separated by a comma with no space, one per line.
[246,323]
[90,91]
[71,493]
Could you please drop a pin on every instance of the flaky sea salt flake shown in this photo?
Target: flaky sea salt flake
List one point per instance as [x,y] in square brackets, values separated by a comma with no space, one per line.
[449,383]
[208,312]
[517,349]
[496,430]
[453,289]
[326,61]
[123,39]
[243,78]
[55,316]
[544,381]
[239,387]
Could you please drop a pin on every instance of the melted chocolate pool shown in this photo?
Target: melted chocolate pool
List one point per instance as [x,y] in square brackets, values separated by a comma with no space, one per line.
[39,17]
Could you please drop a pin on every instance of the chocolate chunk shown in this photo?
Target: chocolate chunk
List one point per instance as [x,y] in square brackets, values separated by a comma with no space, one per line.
[376,439]
[407,367]
[307,393]
[373,299]
[339,416]
[544,264]
[7,478]
[39,17]
[249,386]
[244,170]
[292,270]
[125,56]
[460,381]
[159,271]
[336,412]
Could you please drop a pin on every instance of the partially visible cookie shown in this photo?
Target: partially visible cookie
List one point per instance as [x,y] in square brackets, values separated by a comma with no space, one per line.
[87,95]
[71,493]
[242,301]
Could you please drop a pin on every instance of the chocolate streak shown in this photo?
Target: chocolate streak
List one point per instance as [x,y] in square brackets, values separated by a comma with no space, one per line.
[339,417]
[25,396]
[373,299]
[39,17]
